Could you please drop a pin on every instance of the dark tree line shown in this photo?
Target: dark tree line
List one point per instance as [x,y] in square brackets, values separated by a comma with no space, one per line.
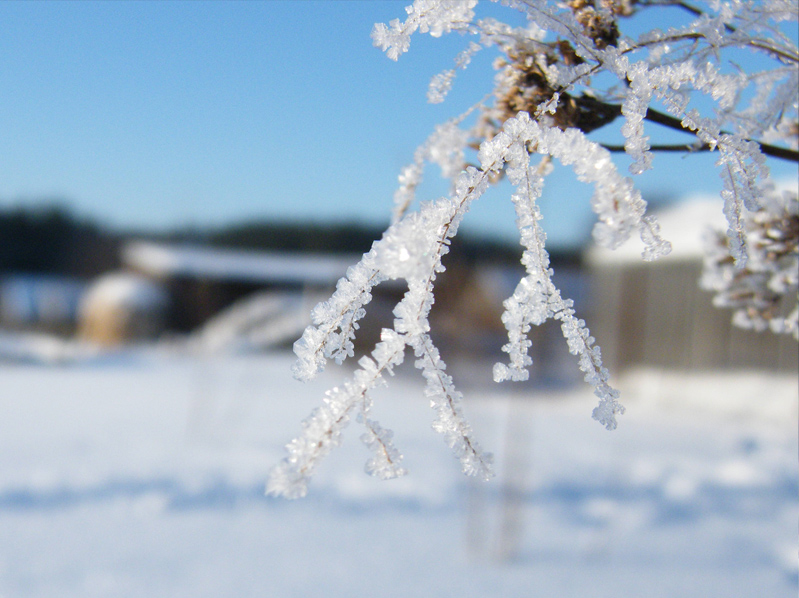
[54,240]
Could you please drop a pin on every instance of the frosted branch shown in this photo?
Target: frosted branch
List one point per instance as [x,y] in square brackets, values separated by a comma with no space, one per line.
[322,430]
[570,71]
[446,400]
[435,17]
[336,320]
[441,84]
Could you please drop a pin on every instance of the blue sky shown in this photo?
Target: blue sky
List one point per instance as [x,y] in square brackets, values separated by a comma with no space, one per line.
[161,114]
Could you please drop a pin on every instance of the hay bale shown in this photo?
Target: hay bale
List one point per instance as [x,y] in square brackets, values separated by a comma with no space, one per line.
[120,308]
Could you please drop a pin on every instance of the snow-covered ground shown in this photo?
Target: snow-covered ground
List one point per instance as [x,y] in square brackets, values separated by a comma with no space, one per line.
[142,474]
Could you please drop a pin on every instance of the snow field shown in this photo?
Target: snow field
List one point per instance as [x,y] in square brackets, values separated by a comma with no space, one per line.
[142,474]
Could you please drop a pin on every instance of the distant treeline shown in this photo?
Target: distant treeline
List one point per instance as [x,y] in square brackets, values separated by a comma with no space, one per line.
[354,238]
[54,240]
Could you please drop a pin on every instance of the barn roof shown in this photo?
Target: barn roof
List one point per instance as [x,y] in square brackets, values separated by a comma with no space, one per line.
[230,265]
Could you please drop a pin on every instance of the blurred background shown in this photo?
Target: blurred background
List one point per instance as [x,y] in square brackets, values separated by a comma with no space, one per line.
[180,183]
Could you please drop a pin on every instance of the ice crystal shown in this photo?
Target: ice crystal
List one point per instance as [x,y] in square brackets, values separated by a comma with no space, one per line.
[435,17]
[634,110]
[441,84]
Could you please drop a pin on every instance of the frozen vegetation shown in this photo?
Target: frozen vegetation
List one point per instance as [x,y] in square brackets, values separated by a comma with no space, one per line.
[571,70]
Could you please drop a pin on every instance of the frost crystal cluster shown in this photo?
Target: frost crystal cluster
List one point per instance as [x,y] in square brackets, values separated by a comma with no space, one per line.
[567,72]
[764,295]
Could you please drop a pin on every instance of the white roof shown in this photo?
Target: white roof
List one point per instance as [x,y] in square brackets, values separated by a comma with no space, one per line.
[237,265]
[682,224]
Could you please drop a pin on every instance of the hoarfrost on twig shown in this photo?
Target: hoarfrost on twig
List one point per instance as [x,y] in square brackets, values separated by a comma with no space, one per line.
[569,72]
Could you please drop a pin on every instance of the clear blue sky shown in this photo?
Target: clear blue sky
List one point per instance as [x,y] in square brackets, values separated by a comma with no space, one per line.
[161,114]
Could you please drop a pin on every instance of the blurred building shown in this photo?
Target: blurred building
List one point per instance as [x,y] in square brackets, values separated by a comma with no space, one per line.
[202,281]
[655,314]
[40,302]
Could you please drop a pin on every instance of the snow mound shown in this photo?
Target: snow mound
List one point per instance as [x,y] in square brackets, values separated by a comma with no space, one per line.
[261,321]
